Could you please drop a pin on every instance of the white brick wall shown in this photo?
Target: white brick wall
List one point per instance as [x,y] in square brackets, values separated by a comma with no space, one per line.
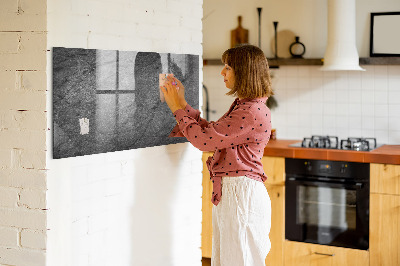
[137,207]
[23,218]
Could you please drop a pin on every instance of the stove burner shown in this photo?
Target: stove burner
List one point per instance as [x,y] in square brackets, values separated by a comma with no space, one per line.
[328,142]
[332,142]
[358,144]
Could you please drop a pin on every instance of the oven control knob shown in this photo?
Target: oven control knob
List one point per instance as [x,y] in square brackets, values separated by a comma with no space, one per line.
[308,166]
[343,168]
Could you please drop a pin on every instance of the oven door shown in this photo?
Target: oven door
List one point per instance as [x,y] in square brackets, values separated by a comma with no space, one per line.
[327,213]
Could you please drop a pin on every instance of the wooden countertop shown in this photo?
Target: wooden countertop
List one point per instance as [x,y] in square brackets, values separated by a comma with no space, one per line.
[389,154]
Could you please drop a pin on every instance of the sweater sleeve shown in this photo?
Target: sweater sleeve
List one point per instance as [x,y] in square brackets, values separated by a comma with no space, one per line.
[234,129]
[193,113]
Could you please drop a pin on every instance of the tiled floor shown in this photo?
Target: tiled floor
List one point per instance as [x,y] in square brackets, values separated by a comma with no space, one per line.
[206,261]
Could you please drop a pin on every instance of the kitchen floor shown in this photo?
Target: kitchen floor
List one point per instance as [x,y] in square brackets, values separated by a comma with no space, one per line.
[206,261]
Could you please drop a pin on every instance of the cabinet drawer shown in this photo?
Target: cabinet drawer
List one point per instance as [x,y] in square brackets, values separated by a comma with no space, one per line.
[305,254]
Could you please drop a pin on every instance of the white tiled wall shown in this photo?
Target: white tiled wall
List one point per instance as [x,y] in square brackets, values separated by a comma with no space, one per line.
[313,102]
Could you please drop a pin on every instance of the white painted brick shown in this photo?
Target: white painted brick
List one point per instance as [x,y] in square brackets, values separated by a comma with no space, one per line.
[191,22]
[34,140]
[23,100]
[96,173]
[9,42]
[23,218]
[106,10]
[23,178]
[5,158]
[35,61]
[114,186]
[108,42]
[33,159]
[179,7]
[197,10]
[168,19]
[172,47]
[154,32]
[9,237]
[79,7]
[133,43]
[13,119]
[136,17]
[7,80]
[196,38]
[31,80]
[17,256]
[30,7]
[80,227]
[8,6]
[33,199]
[98,222]
[23,22]
[33,239]
[31,54]
[8,197]
[149,6]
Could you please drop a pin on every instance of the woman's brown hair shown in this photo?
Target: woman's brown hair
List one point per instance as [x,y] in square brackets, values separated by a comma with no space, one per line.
[250,66]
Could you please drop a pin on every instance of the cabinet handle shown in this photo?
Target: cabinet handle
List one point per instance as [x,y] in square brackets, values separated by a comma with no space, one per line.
[324,254]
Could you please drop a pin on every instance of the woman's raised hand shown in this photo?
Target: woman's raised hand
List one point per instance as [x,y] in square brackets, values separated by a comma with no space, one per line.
[181,92]
[174,94]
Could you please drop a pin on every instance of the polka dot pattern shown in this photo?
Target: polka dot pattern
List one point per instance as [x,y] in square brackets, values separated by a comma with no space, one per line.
[238,139]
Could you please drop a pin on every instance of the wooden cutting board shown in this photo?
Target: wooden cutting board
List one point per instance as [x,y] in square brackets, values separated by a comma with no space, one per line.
[239,35]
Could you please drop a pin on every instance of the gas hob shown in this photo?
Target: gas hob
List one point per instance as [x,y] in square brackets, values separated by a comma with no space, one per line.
[332,142]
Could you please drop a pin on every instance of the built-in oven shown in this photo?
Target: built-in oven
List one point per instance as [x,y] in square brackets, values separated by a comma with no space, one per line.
[327,202]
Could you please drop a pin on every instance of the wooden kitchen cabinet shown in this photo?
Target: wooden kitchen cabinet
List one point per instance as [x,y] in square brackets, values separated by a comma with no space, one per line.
[206,225]
[277,233]
[385,178]
[274,168]
[384,236]
[305,254]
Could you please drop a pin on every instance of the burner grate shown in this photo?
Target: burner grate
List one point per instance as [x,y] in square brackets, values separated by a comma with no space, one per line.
[327,142]
[358,144]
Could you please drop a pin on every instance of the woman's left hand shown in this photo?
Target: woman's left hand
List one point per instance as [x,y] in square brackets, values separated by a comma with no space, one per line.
[171,95]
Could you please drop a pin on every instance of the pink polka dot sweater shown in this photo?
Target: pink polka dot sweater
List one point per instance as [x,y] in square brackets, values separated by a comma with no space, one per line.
[238,139]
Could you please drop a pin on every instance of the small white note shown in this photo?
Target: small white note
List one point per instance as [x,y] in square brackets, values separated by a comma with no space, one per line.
[84,122]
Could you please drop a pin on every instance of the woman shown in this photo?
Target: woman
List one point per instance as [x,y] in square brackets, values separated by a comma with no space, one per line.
[242,208]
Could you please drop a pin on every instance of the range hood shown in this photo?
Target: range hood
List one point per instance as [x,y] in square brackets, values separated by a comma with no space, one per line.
[341,51]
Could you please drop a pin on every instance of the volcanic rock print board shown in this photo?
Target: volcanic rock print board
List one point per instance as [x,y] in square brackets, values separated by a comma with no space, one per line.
[108,100]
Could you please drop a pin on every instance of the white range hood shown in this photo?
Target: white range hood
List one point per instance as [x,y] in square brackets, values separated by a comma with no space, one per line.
[341,51]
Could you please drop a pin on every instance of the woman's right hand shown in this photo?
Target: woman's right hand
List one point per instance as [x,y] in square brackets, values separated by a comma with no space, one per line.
[181,91]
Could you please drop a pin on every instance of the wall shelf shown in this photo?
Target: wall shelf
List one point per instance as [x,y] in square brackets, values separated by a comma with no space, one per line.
[274,63]
[380,61]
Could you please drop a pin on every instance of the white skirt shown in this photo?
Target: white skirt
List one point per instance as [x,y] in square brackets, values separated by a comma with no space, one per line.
[241,223]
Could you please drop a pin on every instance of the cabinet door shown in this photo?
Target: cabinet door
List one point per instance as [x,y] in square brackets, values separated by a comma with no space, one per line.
[206,232]
[384,230]
[274,168]
[277,233]
[385,178]
[304,254]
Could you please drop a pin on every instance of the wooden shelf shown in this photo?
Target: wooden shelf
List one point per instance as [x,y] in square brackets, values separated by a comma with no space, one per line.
[380,61]
[274,63]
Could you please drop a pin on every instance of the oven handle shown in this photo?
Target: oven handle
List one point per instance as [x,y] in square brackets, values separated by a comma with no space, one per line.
[357,185]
